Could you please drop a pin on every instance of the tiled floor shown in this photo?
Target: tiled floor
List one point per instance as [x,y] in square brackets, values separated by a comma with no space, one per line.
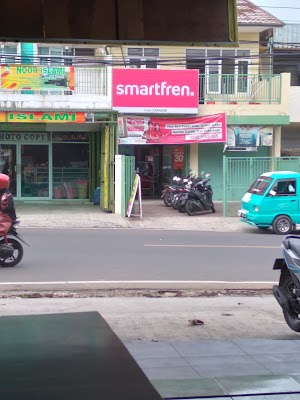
[268,369]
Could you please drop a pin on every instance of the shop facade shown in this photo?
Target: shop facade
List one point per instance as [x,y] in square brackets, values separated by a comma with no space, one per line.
[149,103]
[59,160]
[46,165]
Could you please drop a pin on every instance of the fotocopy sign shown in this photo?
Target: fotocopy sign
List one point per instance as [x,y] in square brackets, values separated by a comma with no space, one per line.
[154,91]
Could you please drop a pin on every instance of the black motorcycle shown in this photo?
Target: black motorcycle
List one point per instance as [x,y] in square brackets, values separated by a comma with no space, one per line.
[11,249]
[200,198]
[184,193]
[287,292]
[169,191]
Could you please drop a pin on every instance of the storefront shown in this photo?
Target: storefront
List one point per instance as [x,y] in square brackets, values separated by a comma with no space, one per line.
[148,94]
[157,164]
[171,154]
[60,161]
[46,165]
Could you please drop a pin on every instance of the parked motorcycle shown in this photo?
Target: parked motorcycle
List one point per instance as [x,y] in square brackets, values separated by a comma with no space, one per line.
[287,292]
[170,190]
[184,195]
[11,249]
[200,197]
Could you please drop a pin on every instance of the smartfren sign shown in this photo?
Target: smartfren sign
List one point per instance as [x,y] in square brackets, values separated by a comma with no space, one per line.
[155,91]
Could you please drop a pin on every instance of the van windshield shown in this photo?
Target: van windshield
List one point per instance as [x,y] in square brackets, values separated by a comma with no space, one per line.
[261,185]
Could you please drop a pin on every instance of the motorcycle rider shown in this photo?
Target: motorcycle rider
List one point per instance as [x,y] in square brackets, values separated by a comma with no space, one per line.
[7,207]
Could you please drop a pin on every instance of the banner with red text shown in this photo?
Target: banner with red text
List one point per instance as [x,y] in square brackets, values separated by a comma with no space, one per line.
[155,130]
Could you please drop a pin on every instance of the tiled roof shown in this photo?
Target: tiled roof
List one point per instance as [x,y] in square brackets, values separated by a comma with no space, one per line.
[250,14]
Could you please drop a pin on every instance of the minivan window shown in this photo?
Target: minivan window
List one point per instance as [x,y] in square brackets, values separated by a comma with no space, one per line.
[261,185]
[285,187]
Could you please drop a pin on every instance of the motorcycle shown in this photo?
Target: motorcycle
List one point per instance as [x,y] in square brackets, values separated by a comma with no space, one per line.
[11,249]
[200,197]
[170,191]
[287,292]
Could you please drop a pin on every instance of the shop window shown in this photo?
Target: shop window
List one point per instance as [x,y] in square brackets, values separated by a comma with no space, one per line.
[143,57]
[8,54]
[70,170]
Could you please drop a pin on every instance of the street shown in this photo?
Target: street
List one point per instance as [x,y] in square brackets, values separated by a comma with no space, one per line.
[88,255]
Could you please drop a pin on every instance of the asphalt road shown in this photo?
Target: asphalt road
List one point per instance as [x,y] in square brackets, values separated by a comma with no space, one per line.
[58,255]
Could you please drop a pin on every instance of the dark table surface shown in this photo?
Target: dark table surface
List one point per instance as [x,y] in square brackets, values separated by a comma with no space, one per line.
[67,356]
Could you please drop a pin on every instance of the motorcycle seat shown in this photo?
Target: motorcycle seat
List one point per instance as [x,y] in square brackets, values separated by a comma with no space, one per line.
[294,245]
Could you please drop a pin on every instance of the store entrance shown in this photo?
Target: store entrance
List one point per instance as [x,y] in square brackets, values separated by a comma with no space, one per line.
[28,169]
[157,165]
[34,170]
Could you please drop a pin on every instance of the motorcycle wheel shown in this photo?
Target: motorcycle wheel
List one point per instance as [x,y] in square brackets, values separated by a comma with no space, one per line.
[213,210]
[16,257]
[189,208]
[181,209]
[290,316]
[167,200]
[175,205]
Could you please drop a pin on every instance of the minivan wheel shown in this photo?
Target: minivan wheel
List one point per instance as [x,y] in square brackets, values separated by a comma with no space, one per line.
[282,225]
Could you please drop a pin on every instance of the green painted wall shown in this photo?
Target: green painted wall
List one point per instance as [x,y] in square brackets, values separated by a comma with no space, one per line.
[258,120]
[211,162]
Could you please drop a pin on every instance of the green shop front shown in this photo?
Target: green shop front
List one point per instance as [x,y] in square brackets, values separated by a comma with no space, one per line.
[59,161]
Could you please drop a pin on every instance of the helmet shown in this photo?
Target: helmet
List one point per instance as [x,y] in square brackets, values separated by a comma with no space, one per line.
[4,181]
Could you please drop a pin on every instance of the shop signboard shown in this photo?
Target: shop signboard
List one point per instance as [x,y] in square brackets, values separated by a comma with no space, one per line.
[70,137]
[135,188]
[48,117]
[155,91]
[37,77]
[248,138]
[178,157]
[155,130]
[24,137]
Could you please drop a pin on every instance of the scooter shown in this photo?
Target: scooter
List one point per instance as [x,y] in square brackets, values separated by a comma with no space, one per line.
[200,197]
[287,292]
[11,249]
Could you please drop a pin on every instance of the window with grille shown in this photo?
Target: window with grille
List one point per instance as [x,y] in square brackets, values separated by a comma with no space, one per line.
[9,54]
[79,56]
[142,57]
[50,55]
[226,71]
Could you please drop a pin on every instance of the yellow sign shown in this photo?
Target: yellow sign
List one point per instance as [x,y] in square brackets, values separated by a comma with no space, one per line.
[36,77]
[2,116]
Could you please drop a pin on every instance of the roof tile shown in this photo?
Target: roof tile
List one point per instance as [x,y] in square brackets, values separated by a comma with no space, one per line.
[251,14]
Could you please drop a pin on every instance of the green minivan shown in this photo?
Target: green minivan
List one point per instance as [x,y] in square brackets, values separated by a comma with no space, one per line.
[273,201]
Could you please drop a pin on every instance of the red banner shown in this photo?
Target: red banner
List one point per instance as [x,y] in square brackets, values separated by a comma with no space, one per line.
[146,130]
[178,157]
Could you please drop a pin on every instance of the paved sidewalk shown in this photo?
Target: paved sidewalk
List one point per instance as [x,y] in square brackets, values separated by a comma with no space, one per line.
[225,367]
[243,348]
[155,216]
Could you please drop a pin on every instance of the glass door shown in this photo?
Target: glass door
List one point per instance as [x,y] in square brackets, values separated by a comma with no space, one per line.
[8,164]
[34,171]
